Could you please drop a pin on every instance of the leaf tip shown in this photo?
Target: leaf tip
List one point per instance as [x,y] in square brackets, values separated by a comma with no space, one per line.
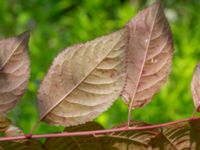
[25,35]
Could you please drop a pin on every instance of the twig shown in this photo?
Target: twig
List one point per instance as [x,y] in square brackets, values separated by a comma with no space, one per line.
[96,132]
[34,127]
[193,114]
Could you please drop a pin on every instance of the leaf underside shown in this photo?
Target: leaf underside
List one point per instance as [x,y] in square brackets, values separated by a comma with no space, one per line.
[180,136]
[29,145]
[195,87]
[149,55]
[76,143]
[14,70]
[112,141]
[8,128]
[84,80]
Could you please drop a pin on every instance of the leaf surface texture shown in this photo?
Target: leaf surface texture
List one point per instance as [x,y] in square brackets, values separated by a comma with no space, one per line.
[14,70]
[149,55]
[195,87]
[84,80]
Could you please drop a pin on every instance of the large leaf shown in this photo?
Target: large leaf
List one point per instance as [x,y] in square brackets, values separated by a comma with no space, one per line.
[149,55]
[84,80]
[195,87]
[14,70]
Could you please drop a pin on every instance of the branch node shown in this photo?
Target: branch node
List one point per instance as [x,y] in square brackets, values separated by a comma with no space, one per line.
[28,136]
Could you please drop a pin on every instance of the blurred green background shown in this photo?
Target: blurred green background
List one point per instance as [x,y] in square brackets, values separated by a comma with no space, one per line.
[58,24]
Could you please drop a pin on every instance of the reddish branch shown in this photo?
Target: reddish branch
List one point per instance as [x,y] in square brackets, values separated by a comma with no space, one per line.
[96,132]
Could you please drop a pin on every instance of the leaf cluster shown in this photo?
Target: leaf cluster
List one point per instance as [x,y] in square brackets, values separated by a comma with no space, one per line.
[85,79]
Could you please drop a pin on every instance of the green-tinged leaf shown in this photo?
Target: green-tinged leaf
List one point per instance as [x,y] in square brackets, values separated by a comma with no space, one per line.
[28,145]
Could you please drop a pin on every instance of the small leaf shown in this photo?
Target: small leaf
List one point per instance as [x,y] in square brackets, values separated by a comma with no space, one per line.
[149,55]
[4,123]
[13,131]
[8,128]
[195,87]
[84,80]
[14,70]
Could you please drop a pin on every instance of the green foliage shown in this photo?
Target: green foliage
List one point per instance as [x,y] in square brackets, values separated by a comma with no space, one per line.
[58,24]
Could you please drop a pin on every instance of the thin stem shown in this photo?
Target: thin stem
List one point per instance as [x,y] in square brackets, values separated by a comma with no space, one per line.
[129,115]
[193,113]
[34,127]
[96,132]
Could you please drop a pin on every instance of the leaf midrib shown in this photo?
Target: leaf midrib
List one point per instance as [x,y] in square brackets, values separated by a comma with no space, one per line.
[143,63]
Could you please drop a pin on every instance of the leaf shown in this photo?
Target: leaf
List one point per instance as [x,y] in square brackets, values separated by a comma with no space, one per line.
[85,127]
[112,141]
[84,80]
[178,136]
[12,130]
[29,145]
[132,139]
[14,70]
[8,128]
[4,123]
[195,87]
[149,55]
[80,142]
